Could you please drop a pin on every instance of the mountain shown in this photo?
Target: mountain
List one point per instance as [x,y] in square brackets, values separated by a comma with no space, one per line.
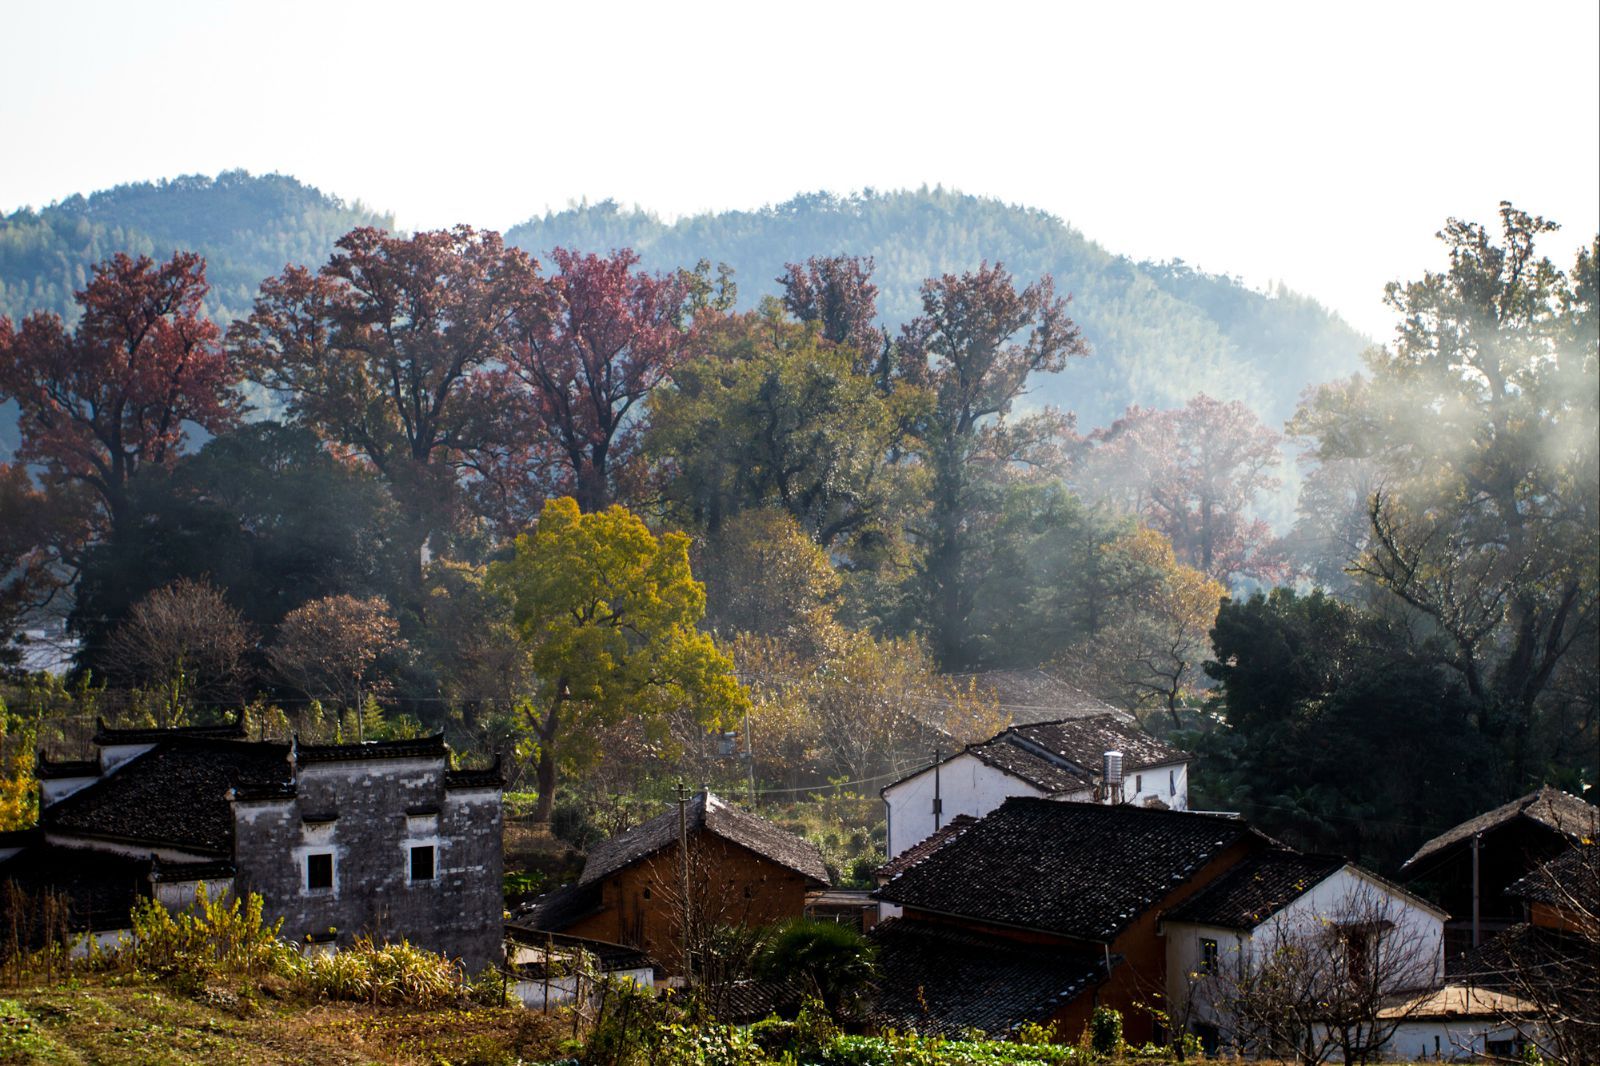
[1161,332]
[247,227]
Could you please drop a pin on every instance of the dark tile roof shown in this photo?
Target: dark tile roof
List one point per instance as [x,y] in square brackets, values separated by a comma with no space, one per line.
[560,908]
[416,747]
[1083,741]
[101,889]
[1065,755]
[489,777]
[1549,807]
[1570,880]
[945,982]
[1256,889]
[167,872]
[174,795]
[1082,870]
[715,816]
[1530,955]
[1046,774]
[107,735]
[925,847]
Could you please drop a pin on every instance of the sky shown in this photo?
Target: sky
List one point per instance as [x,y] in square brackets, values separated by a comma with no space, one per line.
[1317,145]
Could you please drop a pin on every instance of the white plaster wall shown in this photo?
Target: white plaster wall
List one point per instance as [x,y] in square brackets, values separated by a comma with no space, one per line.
[53,790]
[1185,983]
[176,895]
[1456,1039]
[564,989]
[1168,782]
[114,755]
[967,786]
[1411,919]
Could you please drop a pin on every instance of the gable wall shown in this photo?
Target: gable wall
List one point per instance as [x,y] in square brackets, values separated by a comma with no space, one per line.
[458,913]
[967,785]
[730,885]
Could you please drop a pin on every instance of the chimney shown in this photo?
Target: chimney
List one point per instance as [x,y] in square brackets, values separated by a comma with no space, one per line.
[1111,776]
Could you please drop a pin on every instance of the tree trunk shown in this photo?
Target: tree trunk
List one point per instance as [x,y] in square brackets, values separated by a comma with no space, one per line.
[546,771]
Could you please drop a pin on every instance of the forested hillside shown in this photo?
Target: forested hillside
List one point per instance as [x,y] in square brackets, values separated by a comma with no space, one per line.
[247,227]
[1160,332]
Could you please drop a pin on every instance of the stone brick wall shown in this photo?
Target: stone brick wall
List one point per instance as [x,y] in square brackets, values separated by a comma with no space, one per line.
[368,814]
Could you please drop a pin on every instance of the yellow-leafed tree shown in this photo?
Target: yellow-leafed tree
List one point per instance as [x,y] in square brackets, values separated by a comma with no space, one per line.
[608,612]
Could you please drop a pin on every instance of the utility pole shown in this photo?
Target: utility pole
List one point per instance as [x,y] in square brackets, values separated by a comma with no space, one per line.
[938,801]
[683,859]
[1477,840]
[750,759]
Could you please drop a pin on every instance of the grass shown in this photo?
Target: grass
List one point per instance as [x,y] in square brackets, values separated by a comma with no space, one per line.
[131,1021]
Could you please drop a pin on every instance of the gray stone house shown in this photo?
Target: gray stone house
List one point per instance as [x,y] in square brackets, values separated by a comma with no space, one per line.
[380,838]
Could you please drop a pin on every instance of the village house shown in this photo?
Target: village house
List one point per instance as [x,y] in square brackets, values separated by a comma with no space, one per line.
[1280,897]
[1469,868]
[1043,910]
[639,890]
[382,838]
[1067,759]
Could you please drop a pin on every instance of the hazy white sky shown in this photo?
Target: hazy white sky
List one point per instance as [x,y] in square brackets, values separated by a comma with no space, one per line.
[1317,144]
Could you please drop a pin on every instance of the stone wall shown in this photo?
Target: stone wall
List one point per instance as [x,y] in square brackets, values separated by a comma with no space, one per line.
[369,814]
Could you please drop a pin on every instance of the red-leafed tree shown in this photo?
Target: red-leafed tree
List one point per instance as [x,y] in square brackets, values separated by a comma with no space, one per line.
[388,350]
[973,347]
[837,293]
[113,395]
[607,336]
[1193,474]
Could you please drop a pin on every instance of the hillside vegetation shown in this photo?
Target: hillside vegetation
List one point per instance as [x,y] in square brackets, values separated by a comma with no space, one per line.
[1161,332]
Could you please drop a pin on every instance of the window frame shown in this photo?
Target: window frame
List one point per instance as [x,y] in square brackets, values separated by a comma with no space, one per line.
[308,881]
[411,864]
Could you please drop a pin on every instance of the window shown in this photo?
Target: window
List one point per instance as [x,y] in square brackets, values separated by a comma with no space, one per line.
[319,871]
[422,863]
[1138,783]
[1208,955]
[1172,782]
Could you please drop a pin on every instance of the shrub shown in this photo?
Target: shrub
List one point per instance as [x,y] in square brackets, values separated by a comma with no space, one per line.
[209,938]
[1105,1031]
[388,975]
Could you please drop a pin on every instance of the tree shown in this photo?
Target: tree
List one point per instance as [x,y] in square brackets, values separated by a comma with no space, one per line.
[1192,474]
[383,351]
[836,293]
[767,415]
[607,337]
[264,513]
[184,639]
[765,577]
[1323,706]
[974,346]
[1481,422]
[1314,984]
[330,649]
[117,393]
[836,963]
[1149,656]
[608,612]
[27,532]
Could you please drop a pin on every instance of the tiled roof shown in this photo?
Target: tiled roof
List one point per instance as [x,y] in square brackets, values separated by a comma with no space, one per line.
[1256,889]
[1082,870]
[925,847]
[715,816]
[106,735]
[1084,740]
[1065,755]
[167,872]
[945,982]
[101,889]
[174,795]
[560,908]
[612,956]
[490,777]
[1549,807]
[417,747]
[1571,879]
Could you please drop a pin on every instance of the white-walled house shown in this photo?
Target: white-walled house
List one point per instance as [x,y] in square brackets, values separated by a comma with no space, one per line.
[1061,760]
[1281,896]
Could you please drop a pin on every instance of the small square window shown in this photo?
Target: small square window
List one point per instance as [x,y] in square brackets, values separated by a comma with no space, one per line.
[319,871]
[422,863]
[1208,955]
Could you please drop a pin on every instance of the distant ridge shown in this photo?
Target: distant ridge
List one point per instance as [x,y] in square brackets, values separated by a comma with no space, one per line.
[1161,331]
